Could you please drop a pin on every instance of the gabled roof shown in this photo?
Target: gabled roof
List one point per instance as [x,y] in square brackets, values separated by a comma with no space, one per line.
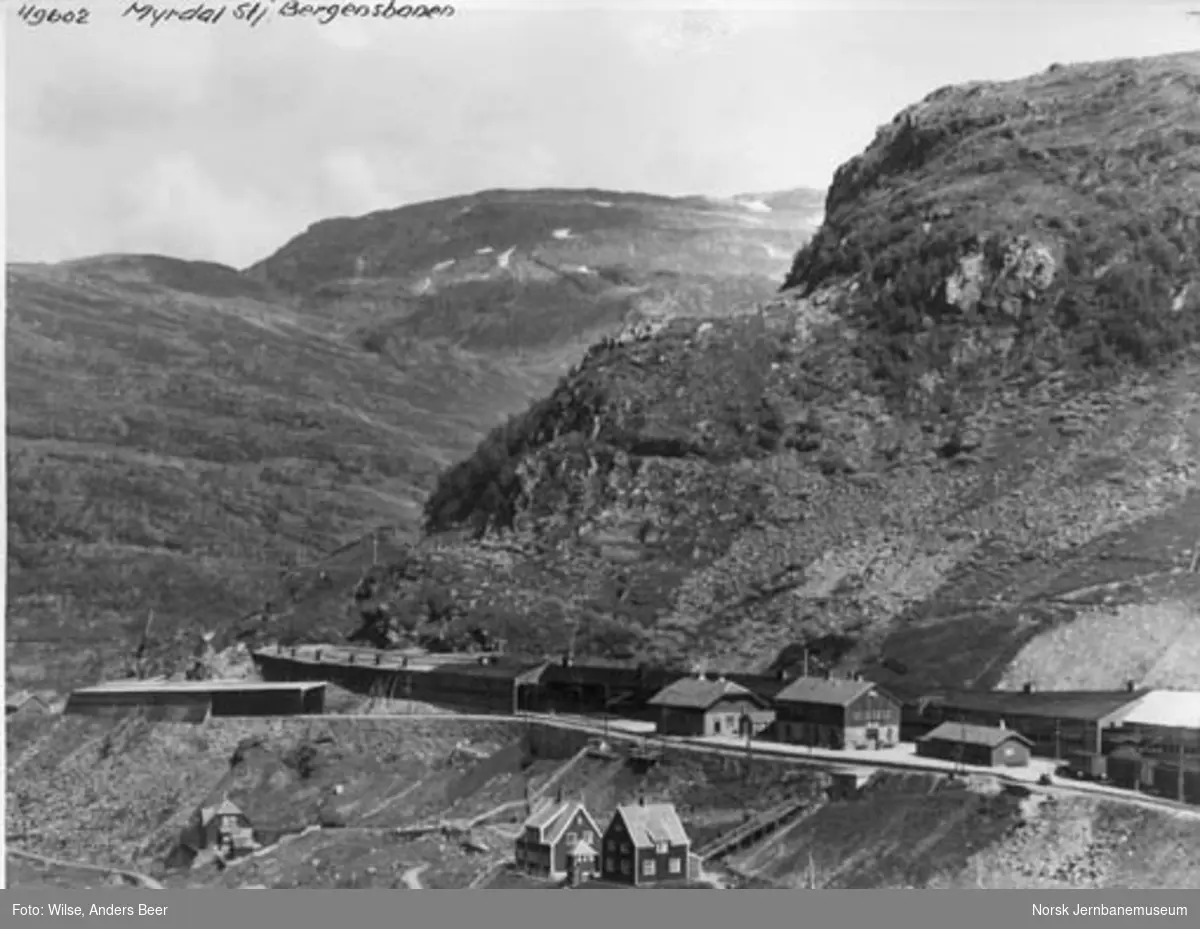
[545,813]
[553,818]
[1092,706]
[225,808]
[1168,709]
[830,691]
[15,699]
[699,693]
[653,823]
[968,734]
[582,849]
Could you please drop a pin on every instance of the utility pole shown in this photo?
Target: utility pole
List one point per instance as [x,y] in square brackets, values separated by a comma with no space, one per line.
[1057,740]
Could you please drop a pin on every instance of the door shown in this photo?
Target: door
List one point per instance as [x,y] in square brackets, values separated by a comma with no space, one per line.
[873,737]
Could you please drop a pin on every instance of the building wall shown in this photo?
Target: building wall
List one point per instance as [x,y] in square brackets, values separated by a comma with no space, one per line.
[533,856]
[819,735]
[975,754]
[617,855]
[675,856]
[579,826]
[680,721]
[725,718]
[289,702]
[153,706]
[874,710]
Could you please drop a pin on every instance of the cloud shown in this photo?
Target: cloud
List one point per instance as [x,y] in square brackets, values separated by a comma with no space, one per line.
[226,142]
[175,207]
[354,181]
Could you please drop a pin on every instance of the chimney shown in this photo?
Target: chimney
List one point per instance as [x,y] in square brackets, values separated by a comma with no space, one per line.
[1001,724]
[641,800]
[858,675]
[783,674]
[1129,687]
[1027,687]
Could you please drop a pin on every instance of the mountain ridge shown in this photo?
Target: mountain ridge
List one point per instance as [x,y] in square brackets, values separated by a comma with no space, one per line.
[972,395]
[181,434]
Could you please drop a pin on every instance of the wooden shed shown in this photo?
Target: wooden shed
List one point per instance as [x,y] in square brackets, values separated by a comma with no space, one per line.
[986,746]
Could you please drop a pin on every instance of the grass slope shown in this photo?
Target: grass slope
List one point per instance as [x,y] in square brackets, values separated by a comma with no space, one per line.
[974,398]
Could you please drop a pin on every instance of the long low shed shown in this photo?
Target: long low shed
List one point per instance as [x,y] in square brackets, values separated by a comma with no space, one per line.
[194,701]
[1055,722]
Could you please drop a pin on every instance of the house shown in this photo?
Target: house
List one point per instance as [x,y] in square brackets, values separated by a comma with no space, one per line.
[833,712]
[24,701]
[645,843]
[555,840]
[699,706]
[226,828]
[987,746]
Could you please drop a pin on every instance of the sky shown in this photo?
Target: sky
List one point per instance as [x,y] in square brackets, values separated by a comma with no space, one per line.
[223,142]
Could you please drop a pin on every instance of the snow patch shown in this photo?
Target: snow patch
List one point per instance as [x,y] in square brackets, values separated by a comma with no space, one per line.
[562,234]
[486,250]
[755,206]
[601,203]
[443,265]
[503,259]
[584,269]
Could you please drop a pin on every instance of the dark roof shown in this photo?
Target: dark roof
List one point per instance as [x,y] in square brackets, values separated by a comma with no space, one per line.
[967,734]
[499,669]
[831,691]
[766,686]
[1085,705]
[698,693]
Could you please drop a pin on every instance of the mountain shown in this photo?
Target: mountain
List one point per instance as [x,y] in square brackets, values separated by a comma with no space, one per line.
[960,443]
[182,434]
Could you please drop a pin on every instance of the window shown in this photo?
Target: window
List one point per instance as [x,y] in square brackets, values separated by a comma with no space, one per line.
[717,726]
[624,848]
[611,844]
[587,836]
[676,865]
[648,868]
[570,839]
[660,848]
[624,865]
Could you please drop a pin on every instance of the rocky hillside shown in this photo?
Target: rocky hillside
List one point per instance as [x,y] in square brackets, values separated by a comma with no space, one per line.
[969,417]
[180,433]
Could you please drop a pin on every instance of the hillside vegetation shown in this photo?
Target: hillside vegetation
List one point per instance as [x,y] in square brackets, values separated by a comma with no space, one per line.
[182,435]
[972,403]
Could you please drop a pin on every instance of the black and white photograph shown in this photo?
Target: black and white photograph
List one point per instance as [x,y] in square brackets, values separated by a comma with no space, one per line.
[563,445]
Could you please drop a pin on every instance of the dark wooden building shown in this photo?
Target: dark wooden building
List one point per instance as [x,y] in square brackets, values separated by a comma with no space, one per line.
[555,840]
[699,706]
[1056,722]
[839,713]
[645,843]
[985,746]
